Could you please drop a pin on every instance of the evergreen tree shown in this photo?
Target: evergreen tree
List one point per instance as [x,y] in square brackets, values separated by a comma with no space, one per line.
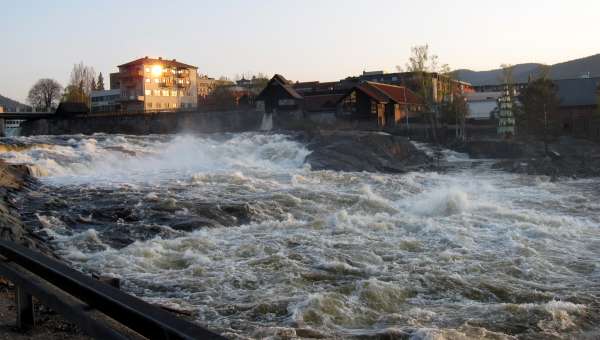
[93,85]
[100,82]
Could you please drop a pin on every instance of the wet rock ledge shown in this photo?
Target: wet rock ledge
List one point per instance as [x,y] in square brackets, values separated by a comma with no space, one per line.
[363,151]
[14,181]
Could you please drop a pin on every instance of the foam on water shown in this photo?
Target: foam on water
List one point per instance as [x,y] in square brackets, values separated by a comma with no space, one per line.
[472,253]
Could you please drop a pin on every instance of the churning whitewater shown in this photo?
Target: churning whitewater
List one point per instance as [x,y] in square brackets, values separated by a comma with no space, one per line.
[239,230]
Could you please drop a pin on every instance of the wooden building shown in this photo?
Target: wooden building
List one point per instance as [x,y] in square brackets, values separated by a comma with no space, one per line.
[388,104]
[279,96]
[578,106]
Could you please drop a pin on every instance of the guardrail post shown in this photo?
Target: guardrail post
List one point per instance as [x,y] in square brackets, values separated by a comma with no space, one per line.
[25,316]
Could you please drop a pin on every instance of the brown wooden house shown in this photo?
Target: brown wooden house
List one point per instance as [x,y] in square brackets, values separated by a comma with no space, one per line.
[279,96]
[388,104]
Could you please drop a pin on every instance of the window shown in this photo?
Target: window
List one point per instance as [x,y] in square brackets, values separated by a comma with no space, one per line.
[174,93]
[156,80]
[149,105]
[180,93]
[157,93]
[147,80]
[286,102]
[147,69]
[165,93]
[158,105]
[148,92]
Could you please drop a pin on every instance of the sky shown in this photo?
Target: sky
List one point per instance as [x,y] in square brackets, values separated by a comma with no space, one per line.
[302,40]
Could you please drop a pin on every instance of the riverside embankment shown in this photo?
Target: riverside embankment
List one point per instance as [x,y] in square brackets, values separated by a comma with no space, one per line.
[145,124]
[15,182]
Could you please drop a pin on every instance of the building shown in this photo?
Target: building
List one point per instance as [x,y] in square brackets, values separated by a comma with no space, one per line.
[71,109]
[482,105]
[279,96]
[443,87]
[105,101]
[578,104]
[388,104]
[149,84]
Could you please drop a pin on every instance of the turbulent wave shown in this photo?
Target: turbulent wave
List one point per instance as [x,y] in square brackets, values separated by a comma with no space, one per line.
[237,229]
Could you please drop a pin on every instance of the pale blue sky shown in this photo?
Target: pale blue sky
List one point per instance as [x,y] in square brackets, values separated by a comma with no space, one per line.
[303,40]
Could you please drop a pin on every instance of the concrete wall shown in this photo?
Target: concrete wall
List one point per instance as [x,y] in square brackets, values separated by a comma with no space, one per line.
[141,124]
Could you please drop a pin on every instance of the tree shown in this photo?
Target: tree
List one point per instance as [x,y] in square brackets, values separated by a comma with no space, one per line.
[44,94]
[422,63]
[540,105]
[259,82]
[81,84]
[456,112]
[100,82]
[222,97]
[93,85]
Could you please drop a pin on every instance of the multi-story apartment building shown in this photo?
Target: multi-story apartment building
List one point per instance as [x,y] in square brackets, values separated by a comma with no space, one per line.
[156,84]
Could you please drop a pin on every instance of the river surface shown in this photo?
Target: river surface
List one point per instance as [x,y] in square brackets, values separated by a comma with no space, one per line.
[238,230]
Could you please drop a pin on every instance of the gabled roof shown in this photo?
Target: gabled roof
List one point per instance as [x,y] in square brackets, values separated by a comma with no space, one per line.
[71,108]
[167,62]
[284,83]
[320,102]
[384,93]
[578,92]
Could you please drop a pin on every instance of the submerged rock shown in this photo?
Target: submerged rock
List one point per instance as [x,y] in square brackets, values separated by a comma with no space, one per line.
[364,151]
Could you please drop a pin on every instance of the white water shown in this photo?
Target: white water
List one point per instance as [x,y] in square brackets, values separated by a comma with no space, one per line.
[267,122]
[472,253]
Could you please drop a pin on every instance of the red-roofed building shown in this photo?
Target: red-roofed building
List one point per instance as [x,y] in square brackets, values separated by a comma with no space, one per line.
[156,84]
[389,104]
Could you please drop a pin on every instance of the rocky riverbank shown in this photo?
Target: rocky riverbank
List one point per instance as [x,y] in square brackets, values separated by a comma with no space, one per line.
[14,181]
[566,157]
[363,151]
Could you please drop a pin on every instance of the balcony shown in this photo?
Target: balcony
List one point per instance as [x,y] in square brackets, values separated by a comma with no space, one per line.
[132,98]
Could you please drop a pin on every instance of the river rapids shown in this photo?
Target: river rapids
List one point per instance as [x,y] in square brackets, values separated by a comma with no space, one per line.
[239,230]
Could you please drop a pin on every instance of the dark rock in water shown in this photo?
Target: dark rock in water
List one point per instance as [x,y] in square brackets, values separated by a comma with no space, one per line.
[231,214]
[364,151]
[193,223]
[566,157]
[494,149]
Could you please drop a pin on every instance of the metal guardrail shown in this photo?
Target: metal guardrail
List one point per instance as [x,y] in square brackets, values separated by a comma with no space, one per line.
[85,301]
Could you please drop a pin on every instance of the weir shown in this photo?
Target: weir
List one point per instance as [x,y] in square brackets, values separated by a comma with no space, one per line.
[146,123]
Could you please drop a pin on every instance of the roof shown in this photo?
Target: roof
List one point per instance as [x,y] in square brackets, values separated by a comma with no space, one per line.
[398,94]
[146,60]
[71,108]
[483,96]
[320,102]
[578,92]
[384,93]
[284,83]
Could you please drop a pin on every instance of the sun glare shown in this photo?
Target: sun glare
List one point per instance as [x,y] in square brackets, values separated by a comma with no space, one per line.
[157,70]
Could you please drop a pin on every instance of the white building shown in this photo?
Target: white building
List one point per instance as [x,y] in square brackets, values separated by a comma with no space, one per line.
[483,105]
[105,101]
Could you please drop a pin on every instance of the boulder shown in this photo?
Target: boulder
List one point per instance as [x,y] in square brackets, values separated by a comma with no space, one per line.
[364,151]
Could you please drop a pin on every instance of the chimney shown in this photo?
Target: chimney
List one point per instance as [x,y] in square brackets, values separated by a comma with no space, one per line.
[174,59]
[159,58]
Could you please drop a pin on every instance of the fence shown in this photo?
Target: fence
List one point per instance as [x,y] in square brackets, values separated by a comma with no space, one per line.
[100,310]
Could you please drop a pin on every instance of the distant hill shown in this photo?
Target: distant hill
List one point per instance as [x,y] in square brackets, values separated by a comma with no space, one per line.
[570,69]
[10,105]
